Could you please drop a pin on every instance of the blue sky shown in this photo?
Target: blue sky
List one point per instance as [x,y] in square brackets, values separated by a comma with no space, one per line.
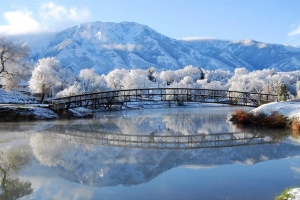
[271,21]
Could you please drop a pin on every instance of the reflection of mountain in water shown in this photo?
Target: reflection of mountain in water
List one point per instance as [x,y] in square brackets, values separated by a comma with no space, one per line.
[101,166]
[108,166]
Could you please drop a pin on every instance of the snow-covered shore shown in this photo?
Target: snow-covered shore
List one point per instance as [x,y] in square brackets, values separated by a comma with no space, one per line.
[16,106]
[289,109]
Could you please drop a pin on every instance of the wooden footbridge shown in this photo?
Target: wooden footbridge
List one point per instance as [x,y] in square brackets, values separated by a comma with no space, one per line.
[107,99]
[153,141]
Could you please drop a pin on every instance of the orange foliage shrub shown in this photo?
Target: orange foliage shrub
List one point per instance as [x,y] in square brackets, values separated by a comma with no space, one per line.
[260,119]
[295,125]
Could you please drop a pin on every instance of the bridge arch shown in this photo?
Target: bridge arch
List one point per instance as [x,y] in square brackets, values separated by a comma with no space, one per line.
[106,99]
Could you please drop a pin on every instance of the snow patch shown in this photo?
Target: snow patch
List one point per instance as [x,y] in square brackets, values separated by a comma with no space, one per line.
[63,44]
[262,45]
[98,35]
[295,192]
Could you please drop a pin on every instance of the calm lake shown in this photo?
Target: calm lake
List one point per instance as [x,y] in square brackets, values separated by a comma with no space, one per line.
[175,153]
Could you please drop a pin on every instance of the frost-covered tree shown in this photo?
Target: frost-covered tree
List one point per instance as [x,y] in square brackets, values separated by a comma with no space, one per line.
[168,76]
[14,65]
[46,77]
[152,74]
[256,81]
[187,80]
[298,89]
[24,74]
[282,92]
[115,77]
[135,79]
[87,82]
[217,85]
[218,75]
[194,72]
[263,81]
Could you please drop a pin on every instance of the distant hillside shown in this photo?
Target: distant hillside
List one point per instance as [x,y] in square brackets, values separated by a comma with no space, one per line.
[106,46]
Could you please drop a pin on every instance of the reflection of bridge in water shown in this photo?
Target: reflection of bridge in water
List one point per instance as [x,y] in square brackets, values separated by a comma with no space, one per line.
[107,99]
[153,141]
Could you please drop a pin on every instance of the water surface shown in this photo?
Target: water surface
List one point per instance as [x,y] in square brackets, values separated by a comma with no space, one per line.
[63,160]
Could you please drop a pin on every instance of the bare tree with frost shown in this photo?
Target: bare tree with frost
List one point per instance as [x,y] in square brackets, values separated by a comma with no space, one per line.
[14,65]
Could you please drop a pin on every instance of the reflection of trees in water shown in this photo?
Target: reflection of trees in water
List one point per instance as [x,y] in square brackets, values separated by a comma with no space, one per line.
[12,160]
[277,134]
[197,124]
[170,124]
[175,124]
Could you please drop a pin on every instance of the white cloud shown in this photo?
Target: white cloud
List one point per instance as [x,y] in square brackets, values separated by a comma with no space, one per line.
[51,10]
[295,32]
[20,22]
[51,17]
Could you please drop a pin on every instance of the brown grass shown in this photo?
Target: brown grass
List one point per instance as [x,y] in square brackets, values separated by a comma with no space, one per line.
[295,127]
[260,119]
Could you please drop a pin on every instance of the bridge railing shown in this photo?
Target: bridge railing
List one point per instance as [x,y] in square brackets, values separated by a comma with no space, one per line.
[164,94]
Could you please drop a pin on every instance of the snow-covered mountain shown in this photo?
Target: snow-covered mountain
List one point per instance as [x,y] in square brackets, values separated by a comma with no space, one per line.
[106,46]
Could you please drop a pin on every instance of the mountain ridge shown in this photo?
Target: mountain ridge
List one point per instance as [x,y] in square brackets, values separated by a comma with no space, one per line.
[105,46]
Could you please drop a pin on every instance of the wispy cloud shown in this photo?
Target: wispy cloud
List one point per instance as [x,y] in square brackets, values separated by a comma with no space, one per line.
[50,11]
[295,31]
[50,17]
[122,47]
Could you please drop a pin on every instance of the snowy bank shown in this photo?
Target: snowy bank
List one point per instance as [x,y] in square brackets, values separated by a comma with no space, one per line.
[16,106]
[16,97]
[289,109]
[16,112]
